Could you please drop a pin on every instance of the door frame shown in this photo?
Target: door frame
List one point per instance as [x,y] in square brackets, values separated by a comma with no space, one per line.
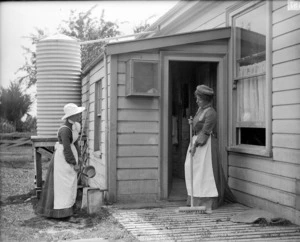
[222,107]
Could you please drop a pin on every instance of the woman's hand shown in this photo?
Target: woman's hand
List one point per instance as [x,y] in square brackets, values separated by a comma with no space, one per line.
[201,140]
[77,168]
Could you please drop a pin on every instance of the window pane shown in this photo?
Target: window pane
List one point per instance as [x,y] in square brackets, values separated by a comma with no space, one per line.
[99,97]
[98,109]
[145,77]
[251,101]
[252,136]
[250,31]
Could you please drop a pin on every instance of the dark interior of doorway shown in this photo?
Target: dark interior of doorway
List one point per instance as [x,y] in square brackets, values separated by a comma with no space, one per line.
[184,78]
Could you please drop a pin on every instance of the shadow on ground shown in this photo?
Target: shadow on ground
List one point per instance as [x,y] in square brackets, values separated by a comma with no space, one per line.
[18,199]
[80,221]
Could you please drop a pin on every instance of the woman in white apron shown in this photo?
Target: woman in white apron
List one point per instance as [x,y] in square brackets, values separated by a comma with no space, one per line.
[210,187]
[60,189]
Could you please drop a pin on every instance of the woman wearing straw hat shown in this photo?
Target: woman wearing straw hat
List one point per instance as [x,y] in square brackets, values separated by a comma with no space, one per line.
[210,188]
[60,189]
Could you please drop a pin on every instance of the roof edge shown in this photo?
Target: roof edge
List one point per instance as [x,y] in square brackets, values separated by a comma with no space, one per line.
[177,12]
[168,40]
[92,64]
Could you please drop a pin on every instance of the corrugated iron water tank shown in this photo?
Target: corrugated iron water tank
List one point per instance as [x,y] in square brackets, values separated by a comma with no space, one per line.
[58,62]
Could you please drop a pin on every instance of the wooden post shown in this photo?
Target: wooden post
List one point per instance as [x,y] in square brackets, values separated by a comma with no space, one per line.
[37,143]
[38,171]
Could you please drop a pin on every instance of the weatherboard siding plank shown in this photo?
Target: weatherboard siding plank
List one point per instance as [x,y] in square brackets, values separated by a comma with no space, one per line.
[286,126]
[137,174]
[137,162]
[265,179]
[134,187]
[286,155]
[273,195]
[265,165]
[136,150]
[286,111]
[291,141]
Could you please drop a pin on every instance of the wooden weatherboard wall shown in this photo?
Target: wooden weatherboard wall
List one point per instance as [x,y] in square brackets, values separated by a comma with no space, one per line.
[96,158]
[269,183]
[273,183]
[137,150]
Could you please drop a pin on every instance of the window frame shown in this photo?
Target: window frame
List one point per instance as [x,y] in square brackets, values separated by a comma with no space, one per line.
[233,146]
[98,115]
[130,78]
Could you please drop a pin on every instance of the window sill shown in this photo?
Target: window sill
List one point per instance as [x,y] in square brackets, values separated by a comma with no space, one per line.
[250,149]
[137,94]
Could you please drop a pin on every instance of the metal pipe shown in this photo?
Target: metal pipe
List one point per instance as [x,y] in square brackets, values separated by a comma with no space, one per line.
[106,118]
[116,37]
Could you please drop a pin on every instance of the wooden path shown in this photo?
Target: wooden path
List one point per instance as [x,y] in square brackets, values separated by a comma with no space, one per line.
[166,224]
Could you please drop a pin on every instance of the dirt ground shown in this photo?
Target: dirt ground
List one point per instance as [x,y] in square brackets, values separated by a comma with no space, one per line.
[18,221]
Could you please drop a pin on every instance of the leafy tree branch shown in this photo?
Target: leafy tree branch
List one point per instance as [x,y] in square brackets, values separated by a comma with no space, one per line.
[14,104]
[80,25]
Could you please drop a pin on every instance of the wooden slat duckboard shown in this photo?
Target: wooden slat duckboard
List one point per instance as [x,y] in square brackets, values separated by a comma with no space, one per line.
[167,224]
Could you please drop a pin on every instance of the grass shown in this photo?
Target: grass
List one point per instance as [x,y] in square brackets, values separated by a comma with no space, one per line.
[18,221]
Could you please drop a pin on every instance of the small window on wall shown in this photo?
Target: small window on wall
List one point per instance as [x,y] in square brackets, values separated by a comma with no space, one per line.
[142,78]
[98,117]
[249,77]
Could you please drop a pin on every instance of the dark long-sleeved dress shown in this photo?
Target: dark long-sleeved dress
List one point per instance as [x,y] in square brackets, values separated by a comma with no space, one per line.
[209,183]
[60,188]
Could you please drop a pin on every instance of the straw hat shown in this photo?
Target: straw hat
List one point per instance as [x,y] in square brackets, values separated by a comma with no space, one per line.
[71,109]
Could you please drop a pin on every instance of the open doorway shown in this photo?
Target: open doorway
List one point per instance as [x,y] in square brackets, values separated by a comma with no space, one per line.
[184,76]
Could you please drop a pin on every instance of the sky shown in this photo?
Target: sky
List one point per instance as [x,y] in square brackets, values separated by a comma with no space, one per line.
[19,19]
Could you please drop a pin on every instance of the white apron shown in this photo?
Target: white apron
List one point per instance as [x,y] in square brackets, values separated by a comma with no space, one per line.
[204,184]
[65,177]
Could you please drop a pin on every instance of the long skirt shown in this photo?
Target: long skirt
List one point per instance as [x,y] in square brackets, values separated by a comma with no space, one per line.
[59,191]
[204,197]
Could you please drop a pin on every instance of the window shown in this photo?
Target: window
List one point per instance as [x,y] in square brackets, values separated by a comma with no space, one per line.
[250,102]
[98,111]
[142,78]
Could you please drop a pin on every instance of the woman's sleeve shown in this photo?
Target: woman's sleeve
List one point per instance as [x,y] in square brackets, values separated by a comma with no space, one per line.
[198,127]
[76,143]
[66,137]
[209,124]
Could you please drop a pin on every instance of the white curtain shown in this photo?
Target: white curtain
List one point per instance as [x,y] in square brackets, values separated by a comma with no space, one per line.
[251,94]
